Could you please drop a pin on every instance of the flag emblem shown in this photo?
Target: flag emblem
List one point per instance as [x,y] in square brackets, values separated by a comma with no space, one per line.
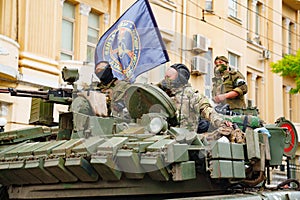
[133,44]
[123,46]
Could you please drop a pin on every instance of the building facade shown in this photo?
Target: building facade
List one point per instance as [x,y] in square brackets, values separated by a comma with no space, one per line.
[39,37]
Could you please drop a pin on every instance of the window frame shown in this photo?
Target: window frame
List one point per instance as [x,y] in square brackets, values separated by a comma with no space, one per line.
[209,6]
[258,14]
[290,37]
[290,111]
[66,52]
[210,73]
[233,8]
[97,29]
[249,20]
[236,60]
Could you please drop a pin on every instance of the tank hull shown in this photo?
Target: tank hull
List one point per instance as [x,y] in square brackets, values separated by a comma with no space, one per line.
[90,156]
[123,187]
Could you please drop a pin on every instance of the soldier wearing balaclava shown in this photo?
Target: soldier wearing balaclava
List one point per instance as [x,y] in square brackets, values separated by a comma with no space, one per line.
[229,86]
[114,88]
[189,103]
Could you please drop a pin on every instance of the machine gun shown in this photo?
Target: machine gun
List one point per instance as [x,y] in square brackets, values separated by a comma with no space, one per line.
[60,95]
[225,110]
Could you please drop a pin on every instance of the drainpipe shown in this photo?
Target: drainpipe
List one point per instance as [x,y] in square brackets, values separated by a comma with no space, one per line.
[17,21]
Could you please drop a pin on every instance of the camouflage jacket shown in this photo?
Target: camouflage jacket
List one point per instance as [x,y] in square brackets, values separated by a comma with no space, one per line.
[217,81]
[190,105]
[116,100]
[230,82]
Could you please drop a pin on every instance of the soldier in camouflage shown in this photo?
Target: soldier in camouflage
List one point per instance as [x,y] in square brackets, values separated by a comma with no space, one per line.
[189,103]
[114,88]
[217,81]
[229,87]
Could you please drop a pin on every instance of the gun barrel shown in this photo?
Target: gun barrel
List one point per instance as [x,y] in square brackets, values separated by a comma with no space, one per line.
[2,90]
[29,93]
[25,93]
[20,94]
[60,95]
[33,92]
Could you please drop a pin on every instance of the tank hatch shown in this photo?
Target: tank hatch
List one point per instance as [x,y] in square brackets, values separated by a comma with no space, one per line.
[145,98]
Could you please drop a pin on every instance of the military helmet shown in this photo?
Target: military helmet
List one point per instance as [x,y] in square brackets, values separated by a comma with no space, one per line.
[183,72]
[223,58]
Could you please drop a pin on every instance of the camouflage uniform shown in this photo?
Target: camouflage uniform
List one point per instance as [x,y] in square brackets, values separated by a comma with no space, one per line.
[217,81]
[230,82]
[114,87]
[190,105]
[116,102]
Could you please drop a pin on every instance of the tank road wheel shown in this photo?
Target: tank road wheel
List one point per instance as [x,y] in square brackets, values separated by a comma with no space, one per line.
[291,141]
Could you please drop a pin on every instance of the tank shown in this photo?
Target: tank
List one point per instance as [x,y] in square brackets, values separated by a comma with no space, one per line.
[140,151]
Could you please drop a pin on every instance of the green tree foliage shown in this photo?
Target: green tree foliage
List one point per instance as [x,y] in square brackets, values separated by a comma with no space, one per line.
[289,66]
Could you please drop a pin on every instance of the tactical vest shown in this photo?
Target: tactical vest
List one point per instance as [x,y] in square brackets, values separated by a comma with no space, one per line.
[190,105]
[228,84]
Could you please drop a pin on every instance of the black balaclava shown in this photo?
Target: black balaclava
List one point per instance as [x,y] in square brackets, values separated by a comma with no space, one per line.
[105,75]
[182,78]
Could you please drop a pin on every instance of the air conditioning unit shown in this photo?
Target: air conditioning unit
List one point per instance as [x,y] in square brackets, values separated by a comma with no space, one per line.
[266,54]
[200,43]
[199,65]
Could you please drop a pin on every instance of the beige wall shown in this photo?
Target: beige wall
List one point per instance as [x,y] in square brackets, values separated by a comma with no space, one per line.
[37,31]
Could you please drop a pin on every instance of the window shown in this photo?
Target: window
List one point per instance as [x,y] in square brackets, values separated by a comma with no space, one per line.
[67,35]
[255,21]
[249,21]
[287,102]
[3,109]
[208,5]
[259,91]
[93,34]
[290,106]
[290,37]
[4,113]
[258,12]
[162,68]
[256,91]
[285,31]
[232,8]
[209,75]
[160,74]
[233,61]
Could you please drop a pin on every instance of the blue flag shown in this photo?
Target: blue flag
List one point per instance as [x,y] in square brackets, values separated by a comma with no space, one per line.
[133,44]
